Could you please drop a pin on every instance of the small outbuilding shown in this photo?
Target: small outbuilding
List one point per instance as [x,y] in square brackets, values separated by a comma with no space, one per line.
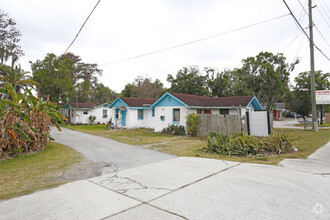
[79,113]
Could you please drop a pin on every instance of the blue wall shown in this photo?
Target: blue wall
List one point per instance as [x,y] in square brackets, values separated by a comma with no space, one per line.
[118,102]
[168,100]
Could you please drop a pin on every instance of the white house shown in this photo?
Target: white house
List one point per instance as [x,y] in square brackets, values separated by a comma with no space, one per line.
[127,112]
[79,113]
[172,108]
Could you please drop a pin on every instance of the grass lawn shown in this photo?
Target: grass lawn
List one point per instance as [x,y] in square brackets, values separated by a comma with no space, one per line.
[307,142]
[27,173]
[128,136]
[325,124]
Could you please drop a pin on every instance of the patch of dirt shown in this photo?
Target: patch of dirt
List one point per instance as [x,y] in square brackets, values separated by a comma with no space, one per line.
[87,169]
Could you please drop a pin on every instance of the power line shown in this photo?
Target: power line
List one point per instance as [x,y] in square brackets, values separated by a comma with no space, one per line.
[314,24]
[296,56]
[305,31]
[195,41]
[323,16]
[292,41]
[324,9]
[325,5]
[82,26]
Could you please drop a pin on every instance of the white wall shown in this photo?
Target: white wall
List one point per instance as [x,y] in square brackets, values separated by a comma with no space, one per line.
[80,118]
[132,120]
[158,125]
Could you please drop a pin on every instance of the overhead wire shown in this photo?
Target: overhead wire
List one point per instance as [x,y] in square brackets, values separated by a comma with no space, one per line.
[300,33]
[302,29]
[326,13]
[314,25]
[193,42]
[82,26]
[296,55]
[326,5]
[323,17]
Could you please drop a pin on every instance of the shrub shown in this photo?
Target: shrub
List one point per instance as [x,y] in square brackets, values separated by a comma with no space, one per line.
[248,145]
[174,130]
[279,143]
[92,118]
[25,122]
[193,121]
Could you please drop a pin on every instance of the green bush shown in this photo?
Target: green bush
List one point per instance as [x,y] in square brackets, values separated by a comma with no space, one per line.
[248,145]
[279,143]
[174,130]
[92,118]
[193,121]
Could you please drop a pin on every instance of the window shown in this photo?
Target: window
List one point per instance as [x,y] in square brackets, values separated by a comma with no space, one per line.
[162,118]
[199,111]
[140,114]
[105,113]
[207,111]
[85,112]
[153,112]
[176,115]
[224,111]
[117,115]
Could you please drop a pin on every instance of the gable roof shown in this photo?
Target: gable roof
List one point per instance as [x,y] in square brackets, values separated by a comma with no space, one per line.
[201,101]
[195,100]
[82,105]
[135,102]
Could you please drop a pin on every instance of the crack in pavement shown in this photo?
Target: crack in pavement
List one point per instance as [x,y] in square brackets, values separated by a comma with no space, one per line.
[196,181]
[125,184]
[122,192]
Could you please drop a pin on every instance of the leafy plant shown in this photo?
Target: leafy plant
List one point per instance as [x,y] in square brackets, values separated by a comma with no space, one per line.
[174,130]
[92,118]
[248,145]
[193,122]
[25,122]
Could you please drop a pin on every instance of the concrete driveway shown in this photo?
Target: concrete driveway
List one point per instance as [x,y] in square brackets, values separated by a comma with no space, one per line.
[107,154]
[189,188]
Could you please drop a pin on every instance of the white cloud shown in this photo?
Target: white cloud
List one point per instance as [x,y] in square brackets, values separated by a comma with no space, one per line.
[122,29]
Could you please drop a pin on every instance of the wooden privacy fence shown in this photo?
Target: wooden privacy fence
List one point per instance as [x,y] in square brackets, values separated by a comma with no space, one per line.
[225,124]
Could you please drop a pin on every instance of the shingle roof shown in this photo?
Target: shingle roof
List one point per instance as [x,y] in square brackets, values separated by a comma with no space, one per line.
[137,102]
[82,105]
[195,100]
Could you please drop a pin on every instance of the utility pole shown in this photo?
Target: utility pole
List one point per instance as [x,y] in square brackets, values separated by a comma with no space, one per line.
[311,45]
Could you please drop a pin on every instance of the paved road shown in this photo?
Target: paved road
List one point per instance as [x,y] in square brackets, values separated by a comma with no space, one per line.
[286,123]
[187,188]
[112,154]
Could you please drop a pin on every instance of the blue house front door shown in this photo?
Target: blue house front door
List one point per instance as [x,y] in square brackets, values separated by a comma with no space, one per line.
[123,118]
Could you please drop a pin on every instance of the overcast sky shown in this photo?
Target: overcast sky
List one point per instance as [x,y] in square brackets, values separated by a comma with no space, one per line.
[123,29]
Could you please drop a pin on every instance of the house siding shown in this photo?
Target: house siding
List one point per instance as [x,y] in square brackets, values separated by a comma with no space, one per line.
[158,124]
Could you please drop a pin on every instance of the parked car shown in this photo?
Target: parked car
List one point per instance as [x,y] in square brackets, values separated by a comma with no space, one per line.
[292,115]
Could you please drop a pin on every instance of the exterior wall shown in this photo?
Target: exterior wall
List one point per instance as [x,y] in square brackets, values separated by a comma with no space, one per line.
[80,118]
[132,120]
[158,124]
[98,112]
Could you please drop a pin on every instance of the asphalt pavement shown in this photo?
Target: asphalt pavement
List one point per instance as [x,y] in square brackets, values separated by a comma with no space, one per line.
[189,188]
[110,155]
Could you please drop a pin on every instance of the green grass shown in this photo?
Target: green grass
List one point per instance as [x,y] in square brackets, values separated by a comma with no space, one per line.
[128,136]
[325,124]
[307,142]
[28,173]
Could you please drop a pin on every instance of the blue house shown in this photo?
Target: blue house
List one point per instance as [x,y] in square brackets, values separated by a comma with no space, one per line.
[172,108]
[130,112]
